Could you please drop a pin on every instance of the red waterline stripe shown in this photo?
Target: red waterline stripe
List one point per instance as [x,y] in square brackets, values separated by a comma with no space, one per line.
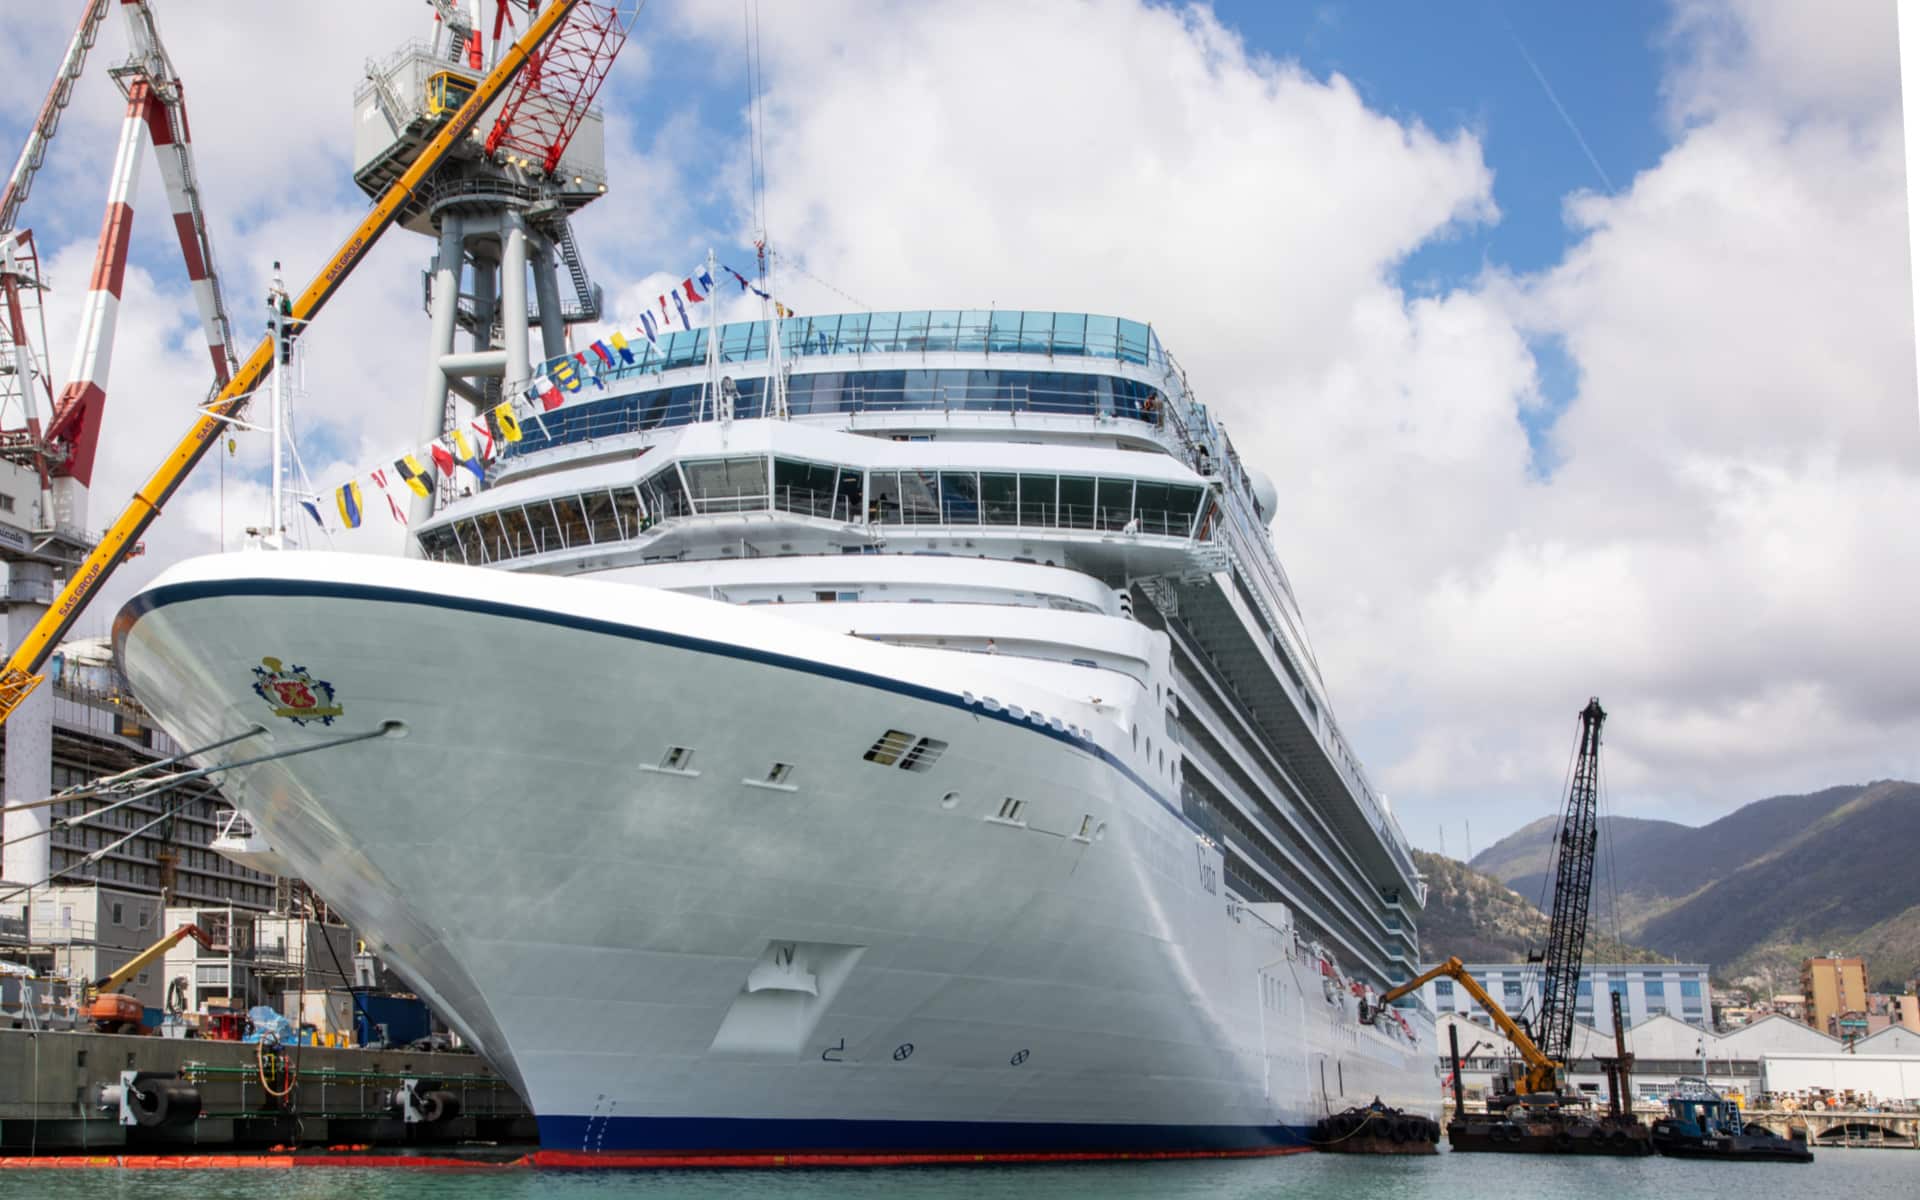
[242,1162]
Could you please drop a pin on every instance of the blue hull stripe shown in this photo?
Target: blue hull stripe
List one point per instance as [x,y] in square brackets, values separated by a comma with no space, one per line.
[744,1135]
[179,593]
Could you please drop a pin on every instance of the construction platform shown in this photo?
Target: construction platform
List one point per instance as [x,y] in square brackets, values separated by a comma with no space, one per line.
[61,1092]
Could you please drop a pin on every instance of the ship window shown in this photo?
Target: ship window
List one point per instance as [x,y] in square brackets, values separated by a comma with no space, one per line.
[601,522]
[677,758]
[573,521]
[803,487]
[545,527]
[780,773]
[626,511]
[919,497]
[883,497]
[960,497]
[1039,501]
[924,754]
[1010,809]
[999,499]
[727,484]
[1076,502]
[887,749]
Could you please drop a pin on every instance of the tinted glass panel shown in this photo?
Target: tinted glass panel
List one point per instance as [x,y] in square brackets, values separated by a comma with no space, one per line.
[626,510]
[883,497]
[942,329]
[959,497]
[573,522]
[881,330]
[727,484]
[1036,332]
[1133,341]
[973,331]
[999,499]
[1039,503]
[853,333]
[920,497]
[1006,331]
[1076,502]
[1103,336]
[803,487]
[600,520]
[733,342]
[1069,333]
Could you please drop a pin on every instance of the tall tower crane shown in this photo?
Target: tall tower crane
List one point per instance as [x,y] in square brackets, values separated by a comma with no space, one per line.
[1544,1047]
[499,209]
[62,444]
[410,179]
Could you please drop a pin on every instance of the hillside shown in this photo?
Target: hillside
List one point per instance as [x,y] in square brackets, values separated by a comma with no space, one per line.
[1762,887]
[1475,917]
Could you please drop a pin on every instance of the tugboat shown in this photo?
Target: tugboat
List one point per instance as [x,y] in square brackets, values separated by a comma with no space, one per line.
[1701,1123]
[1376,1129]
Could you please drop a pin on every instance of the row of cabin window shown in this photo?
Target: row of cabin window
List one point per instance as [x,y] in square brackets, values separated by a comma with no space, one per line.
[964,390]
[890,497]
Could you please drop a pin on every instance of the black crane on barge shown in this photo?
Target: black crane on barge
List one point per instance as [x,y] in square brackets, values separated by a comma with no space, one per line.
[1531,1111]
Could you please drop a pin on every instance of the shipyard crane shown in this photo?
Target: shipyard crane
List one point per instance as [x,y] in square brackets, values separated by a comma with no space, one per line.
[60,444]
[1575,844]
[111,1010]
[20,674]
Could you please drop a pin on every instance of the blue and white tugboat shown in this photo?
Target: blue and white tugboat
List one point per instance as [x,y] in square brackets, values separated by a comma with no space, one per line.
[1701,1123]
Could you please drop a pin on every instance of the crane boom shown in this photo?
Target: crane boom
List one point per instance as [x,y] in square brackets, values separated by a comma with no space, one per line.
[20,180]
[19,677]
[1572,890]
[146,958]
[1542,1071]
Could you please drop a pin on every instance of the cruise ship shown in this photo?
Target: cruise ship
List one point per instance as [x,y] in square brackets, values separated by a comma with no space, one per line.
[903,746]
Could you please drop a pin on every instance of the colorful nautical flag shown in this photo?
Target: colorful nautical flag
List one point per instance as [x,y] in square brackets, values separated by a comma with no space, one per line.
[665,316]
[566,376]
[486,438]
[737,276]
[463,453]
[379,479]
[442,458]
[693,294]
[705,280]
[619,341]
[603,352]
[502,423]
[313,510]
[550,398]
[647,327]
[348,497]
[393,506]
[684,323]
[413,474]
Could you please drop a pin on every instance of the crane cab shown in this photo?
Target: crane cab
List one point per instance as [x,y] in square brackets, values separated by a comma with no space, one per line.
[446,92]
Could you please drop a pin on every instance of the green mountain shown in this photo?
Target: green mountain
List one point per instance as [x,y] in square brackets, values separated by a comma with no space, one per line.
[1759,889]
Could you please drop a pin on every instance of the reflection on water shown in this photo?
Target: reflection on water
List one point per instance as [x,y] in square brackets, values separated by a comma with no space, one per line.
[1857,1175]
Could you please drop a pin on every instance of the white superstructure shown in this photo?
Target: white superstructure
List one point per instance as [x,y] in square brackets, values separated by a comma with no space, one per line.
[939,768]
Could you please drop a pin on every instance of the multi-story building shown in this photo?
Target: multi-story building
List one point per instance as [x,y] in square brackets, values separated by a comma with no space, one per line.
[84,933]
[1679,990]
[99,729]
[1836,993]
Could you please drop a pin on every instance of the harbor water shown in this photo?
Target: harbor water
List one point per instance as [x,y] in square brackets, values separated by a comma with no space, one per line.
[1856,1174]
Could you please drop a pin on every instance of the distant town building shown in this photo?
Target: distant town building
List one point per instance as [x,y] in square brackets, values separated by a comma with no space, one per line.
[1905,1011]
[1836,992]
[1679,990]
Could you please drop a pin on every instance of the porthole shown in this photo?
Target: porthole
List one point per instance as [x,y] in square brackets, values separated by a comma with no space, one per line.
[950,801]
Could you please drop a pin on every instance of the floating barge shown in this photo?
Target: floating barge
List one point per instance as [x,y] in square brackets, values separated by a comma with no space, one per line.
[103,1093]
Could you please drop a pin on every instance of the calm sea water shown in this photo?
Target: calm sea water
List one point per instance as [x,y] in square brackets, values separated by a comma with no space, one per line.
[1854,1175]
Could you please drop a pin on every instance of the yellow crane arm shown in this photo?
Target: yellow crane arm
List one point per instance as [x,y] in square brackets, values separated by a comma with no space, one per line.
[19,678]
[148,957]
[1543,1067]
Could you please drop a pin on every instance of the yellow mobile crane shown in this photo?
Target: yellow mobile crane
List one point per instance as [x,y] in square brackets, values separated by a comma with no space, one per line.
[21,676]
[1542,1076]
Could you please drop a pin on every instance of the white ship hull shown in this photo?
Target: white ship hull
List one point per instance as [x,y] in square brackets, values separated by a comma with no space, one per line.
[859,958]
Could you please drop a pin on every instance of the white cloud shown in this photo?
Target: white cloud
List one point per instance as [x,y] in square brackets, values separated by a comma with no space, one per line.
[1722,556]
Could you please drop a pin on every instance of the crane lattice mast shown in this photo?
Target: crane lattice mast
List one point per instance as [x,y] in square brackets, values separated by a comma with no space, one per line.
[1575,845]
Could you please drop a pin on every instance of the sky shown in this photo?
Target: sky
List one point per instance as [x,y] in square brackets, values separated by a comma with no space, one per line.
[1578,339]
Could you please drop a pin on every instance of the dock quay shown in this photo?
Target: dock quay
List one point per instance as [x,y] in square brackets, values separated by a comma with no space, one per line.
[60,1092]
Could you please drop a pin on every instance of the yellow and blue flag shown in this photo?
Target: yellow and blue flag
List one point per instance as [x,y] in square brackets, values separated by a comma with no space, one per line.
[349,498]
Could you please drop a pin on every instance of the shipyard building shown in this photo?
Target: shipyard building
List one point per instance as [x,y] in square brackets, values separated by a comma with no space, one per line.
[1646,990]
